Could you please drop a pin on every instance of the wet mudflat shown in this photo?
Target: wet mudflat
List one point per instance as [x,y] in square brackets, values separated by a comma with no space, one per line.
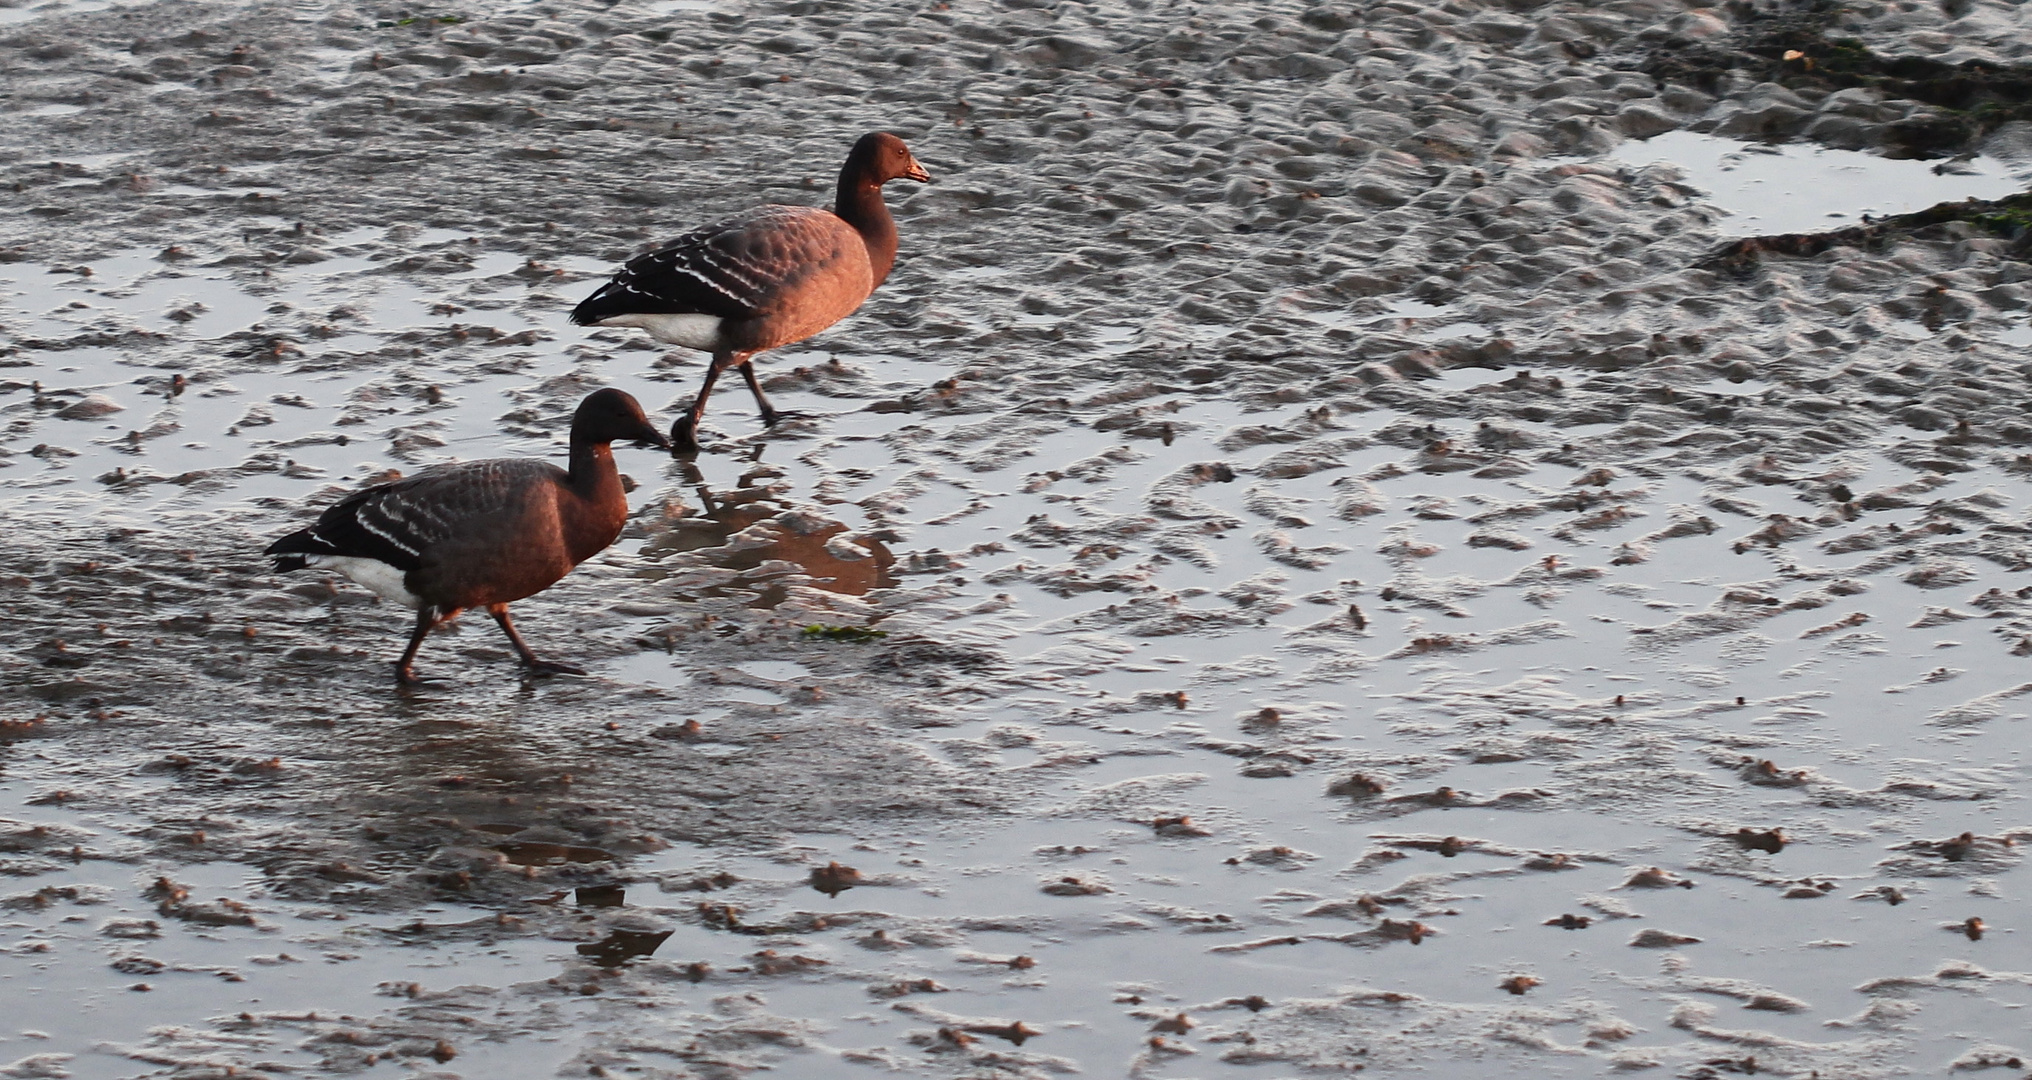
[1301,569]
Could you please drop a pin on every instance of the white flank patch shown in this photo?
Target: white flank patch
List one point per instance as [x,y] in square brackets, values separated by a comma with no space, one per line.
[380,578]
[693,331]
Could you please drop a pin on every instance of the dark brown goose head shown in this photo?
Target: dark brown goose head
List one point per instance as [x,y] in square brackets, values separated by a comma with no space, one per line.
[879,157]
[610,416]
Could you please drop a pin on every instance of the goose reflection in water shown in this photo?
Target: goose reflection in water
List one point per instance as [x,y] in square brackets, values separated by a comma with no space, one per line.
[836,561]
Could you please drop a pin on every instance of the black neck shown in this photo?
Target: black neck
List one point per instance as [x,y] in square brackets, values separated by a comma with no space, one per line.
[860,204]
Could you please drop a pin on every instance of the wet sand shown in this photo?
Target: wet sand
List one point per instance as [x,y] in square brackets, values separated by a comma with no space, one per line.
[1346,583]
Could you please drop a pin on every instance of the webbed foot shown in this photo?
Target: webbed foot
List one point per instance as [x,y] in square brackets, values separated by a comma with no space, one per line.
[407,676]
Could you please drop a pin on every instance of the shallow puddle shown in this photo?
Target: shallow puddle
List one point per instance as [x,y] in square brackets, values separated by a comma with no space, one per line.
[1771,188]
[101,970]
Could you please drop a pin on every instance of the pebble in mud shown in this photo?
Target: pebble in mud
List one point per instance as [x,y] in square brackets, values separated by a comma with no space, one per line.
[1766,772]
[1181,826]
[1409,930]
[835,878]
[1766,840]
[1958,848]
[1016,1031]
[915,986]
[1654,938]
[1652,877]
[1177,1024]
[1073,886]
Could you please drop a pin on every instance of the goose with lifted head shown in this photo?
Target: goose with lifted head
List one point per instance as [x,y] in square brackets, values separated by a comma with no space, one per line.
[763,279]
[480,533]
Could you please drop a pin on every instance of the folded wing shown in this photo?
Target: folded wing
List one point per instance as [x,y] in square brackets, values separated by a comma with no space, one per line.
[397,522]
[735,269]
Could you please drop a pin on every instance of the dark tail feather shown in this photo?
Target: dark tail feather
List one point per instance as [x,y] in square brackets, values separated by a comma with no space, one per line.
[285,563]
[613,299]
[593,308]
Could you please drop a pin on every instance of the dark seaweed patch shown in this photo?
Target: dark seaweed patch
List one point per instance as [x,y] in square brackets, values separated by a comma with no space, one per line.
[2009,217]
[855,634]
[1791,46]
[621,946]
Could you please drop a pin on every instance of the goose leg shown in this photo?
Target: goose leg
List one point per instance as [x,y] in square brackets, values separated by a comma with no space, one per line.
[770,415]
[683,433]
[529,660]
[427,619]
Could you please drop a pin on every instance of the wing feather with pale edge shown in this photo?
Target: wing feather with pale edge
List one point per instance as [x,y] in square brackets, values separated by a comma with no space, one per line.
[733,270]
[397,522]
